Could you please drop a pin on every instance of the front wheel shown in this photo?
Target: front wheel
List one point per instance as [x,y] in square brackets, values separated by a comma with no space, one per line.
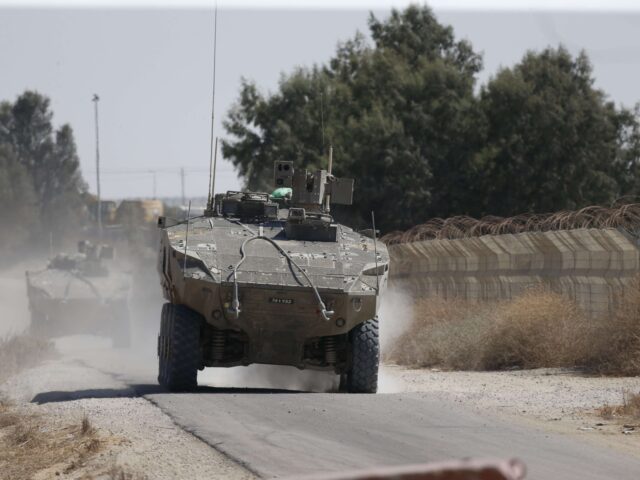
[362,376]
[179,348]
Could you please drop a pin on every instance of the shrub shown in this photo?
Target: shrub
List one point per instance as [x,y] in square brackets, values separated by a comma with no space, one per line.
[539,328]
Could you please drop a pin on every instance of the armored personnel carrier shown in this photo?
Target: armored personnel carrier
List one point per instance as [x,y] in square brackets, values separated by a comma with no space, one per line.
[267,280]
[77,294]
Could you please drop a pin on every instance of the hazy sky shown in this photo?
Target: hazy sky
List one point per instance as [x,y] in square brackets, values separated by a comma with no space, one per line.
[152,70]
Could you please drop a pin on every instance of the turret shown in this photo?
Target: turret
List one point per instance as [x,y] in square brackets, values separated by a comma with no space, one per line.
[313,191]
[311,197]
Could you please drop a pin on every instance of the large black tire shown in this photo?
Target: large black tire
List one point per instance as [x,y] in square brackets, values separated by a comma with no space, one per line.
[362,376]
[121,326]
[179,348]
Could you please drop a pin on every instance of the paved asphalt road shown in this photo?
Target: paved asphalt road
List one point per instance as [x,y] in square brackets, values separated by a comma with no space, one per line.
[284,433]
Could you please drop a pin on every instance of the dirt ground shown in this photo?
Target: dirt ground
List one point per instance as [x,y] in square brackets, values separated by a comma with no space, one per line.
[144,442]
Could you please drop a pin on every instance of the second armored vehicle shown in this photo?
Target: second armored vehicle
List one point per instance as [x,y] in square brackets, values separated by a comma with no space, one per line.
[259,279]
[78,294]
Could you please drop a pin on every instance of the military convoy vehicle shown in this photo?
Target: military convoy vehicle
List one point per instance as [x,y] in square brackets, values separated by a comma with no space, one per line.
[272,279]
[77,294]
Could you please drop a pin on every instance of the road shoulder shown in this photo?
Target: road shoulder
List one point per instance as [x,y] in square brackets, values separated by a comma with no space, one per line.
[143,441]
[556,400]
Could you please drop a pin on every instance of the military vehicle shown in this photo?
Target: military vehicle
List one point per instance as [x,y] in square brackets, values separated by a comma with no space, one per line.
[77,293]
[267,280]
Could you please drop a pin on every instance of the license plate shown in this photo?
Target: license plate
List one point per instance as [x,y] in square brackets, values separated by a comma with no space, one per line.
[281,301]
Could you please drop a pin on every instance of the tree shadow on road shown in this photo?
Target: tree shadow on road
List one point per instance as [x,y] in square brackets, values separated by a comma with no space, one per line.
[141,390]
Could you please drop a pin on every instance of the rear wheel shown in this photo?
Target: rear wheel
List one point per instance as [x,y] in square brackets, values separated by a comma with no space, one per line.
[362,376]
[179,348]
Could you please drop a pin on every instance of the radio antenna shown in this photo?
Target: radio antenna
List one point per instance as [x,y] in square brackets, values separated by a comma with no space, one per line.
[327,205]
[212,176]
[375,249]
[186,239]
[212,140]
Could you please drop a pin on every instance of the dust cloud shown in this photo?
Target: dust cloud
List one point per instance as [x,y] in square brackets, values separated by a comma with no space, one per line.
[14,306]
[271,377]
[395,317]
[138,364]
[396,313]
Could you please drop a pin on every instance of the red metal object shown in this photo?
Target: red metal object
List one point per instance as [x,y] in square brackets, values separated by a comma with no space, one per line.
[470,469]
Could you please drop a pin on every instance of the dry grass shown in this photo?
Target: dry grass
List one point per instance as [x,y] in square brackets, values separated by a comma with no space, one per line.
[21,352]
[31,443]
[539,328]
[629,410]
[615,341]
[443,333]
[120,473]
[85,426]
[34,445]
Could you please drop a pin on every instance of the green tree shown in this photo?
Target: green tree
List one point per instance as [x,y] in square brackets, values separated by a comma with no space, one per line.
[48,156]
[400,113]
[284,125]
[405,122]
[553,140]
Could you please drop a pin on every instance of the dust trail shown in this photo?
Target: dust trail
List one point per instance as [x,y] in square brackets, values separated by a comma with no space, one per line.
[138,364]
[269,377]
[14,311]
[396,314]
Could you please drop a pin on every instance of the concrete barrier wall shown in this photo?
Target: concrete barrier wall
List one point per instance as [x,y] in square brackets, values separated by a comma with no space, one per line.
[588,265]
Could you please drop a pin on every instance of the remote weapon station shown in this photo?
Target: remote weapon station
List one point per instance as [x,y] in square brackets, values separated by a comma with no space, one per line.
[271,279]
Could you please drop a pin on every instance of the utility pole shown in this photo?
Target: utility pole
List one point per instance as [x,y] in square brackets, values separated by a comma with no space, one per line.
[95,100]
[182,185]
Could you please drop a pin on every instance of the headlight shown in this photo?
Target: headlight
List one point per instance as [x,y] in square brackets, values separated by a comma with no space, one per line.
[356,303]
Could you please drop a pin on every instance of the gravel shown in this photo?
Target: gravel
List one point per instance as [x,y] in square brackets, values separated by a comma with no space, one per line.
[557,400]
[147,444]
[545,394]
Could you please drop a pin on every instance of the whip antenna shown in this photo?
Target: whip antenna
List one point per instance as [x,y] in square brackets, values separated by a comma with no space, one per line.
[375,249]
[212,177]
[212,140]
[186,239]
